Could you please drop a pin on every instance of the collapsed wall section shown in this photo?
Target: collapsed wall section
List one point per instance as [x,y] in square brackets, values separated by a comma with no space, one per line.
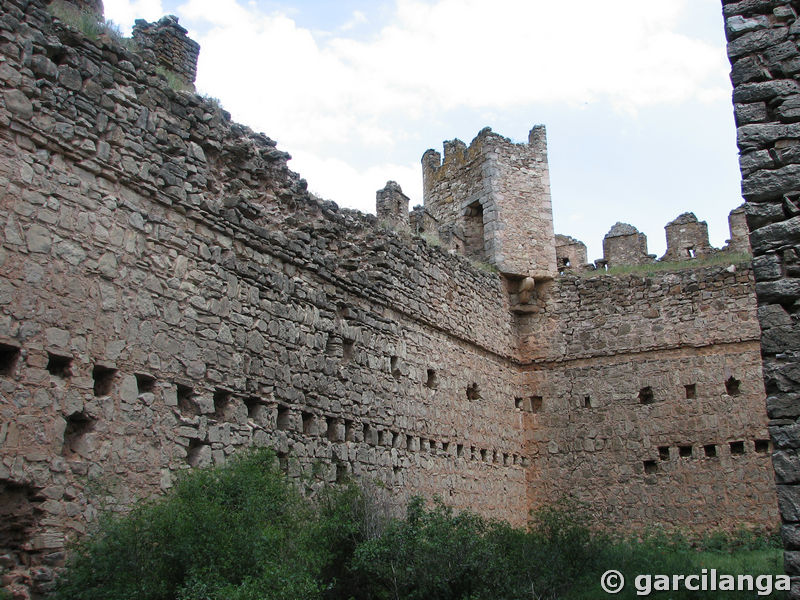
[765,65]
[170,292]
[646,400]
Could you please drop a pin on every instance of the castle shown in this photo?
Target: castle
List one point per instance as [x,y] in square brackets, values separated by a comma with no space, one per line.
[171,293]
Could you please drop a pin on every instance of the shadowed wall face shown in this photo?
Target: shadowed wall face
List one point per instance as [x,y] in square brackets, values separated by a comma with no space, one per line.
[763,49]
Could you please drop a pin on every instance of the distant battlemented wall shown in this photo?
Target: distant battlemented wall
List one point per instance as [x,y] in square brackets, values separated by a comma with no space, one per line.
[170,292]
[763,49]
[687,239]
[491,201]
[570,253]
[391,207]
[625,245]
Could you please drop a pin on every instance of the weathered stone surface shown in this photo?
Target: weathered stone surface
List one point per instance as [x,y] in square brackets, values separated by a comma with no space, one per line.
[756,31]
[171,293]
[18,103]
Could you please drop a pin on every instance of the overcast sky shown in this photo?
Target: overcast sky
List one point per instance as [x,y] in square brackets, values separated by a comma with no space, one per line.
[635,95]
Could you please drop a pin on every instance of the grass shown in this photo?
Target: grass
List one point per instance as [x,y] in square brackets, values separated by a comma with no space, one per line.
[431,239]
[174,81]
[722,258]
[482,265]
[640,560]
[88,23]
[682,561]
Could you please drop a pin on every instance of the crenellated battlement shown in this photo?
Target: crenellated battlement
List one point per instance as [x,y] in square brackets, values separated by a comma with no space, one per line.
[172,48]
[491,201]
[624,244]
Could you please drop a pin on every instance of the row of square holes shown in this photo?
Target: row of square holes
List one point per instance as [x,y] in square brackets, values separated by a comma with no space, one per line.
[646,396]
[386,437]
[737,448]
[60,366]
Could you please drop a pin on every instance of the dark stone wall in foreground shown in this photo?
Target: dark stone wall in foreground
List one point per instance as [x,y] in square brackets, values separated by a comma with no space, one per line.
[763,40]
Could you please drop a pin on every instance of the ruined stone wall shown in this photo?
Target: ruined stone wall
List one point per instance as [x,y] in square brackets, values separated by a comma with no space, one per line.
[625,245]
[391,207]
[763,50]
[570,253]
[687,238]
[647,398]
[740,234]
[172,49]
[494,196]
[171,293]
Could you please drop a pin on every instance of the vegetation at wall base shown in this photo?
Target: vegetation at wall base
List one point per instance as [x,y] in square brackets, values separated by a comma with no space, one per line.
[244,532]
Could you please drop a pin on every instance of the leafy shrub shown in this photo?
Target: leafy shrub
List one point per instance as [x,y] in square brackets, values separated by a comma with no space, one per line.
[243,532]
[238,532]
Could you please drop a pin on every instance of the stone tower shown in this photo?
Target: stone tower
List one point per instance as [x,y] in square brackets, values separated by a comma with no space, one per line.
[391,206]
[174,50]
[491,201]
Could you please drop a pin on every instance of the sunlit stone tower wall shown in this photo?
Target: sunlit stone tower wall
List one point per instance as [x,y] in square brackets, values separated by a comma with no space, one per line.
[491,201]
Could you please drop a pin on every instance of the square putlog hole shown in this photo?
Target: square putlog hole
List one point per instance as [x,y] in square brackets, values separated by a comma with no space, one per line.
[284,418]
[646,395]
[691,391]
[650,467]
[9,355]
[145,384]
[685,451]
[737,448]
[663,452]
[762,446]
[732,386]
[103,380]
[185,397]
[710,450]
[59,366]
[431,380]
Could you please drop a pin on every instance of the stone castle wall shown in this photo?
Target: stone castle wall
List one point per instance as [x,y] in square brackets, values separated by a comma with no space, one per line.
[763,49]
[172,49]
[649,398]
[170,292]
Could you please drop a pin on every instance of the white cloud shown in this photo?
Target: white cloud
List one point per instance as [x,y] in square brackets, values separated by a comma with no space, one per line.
[443,56]
[125,12]
[333,178]
[357,18]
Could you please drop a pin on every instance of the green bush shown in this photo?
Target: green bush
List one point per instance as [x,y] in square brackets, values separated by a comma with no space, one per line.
[238,532]
[243,532]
